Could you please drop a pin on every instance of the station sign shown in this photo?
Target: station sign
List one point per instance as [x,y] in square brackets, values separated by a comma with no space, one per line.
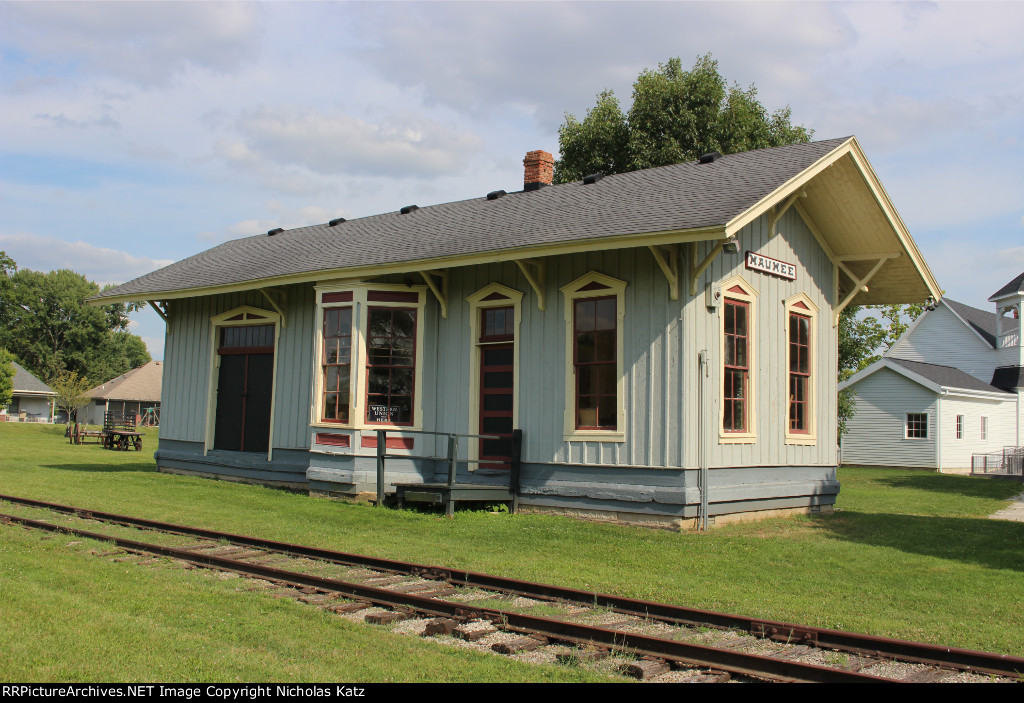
[764,264]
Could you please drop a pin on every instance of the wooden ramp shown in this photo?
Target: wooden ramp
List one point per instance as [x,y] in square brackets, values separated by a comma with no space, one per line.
[450,494]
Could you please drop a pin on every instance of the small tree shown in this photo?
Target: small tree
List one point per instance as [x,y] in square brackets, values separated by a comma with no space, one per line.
[72,391]
[6,377]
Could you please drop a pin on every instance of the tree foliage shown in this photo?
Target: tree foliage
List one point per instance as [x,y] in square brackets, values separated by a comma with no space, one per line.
[676,116]
[6,378]
[47,324]
[71,390]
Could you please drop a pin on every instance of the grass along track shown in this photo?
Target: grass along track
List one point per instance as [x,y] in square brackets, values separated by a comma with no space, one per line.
[428,591]
[910,555]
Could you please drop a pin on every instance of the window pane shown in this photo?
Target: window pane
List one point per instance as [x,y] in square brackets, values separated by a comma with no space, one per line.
[605,346]
[584,347]
[607,378]
[498,357]
[605,314]
[585,315]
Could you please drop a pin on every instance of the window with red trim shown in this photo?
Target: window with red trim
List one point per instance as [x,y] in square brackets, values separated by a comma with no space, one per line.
[737,366]
[390,365]
[336,365]
[497,324]
[594,358]
[799,373]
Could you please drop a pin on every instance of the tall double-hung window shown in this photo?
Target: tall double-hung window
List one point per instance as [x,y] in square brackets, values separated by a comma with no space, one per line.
[370,357]
[594,314]
[738,367]
[801,317]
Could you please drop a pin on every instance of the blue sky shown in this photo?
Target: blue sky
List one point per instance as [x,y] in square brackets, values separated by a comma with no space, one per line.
[133,134]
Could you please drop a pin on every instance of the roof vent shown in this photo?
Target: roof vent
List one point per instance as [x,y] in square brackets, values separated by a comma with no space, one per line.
[336,222]
[593,178]
[709,157]
[409,208]
[495,194]
[276,230]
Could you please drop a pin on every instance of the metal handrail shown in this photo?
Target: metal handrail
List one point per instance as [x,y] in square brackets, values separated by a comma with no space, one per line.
[453,458]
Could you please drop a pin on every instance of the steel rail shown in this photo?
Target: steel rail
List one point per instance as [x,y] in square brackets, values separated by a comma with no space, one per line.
[870,645]
[752,665]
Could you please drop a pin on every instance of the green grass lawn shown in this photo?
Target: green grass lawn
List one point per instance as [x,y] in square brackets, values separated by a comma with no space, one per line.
[909,554]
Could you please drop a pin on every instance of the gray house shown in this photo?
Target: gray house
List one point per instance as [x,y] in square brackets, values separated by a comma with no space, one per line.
[32,400]
[948,390]
[665,339]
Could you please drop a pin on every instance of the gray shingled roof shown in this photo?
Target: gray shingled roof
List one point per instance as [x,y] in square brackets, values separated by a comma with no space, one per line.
[24,382]
[946,376]
[984,323]
[1014,286]
[1007,377]
[670,198]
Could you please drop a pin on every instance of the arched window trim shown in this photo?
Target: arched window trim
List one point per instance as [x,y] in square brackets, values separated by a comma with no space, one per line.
[598,285]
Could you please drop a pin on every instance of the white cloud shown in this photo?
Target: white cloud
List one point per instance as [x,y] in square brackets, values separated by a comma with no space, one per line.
[332,142]
[98,264]
[146,43]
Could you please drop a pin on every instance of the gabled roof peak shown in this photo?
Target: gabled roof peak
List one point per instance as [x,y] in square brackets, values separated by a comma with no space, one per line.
[1014,286]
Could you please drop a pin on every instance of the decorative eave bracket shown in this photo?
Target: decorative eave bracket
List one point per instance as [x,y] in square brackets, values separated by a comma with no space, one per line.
[780,210]
[667,257]
[533,270]
[437,281]
[276,304]
[163,311]
[859,284]
[698,270]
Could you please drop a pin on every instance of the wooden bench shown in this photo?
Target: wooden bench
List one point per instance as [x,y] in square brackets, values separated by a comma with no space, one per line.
[82,435]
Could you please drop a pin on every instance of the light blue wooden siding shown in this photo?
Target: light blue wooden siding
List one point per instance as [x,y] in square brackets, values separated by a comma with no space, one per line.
[941,338]
[652,350]
[877,429]
[663,415]
[794,244]
[188,355]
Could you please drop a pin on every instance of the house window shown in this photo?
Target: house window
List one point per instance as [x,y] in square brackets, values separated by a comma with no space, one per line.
[917,426]
[737,422]
[959,426]
[594,358]
[369,353]
[801,315]
[391,365]
[799,373]
[594,351]
[984,428]
[336,365]
[737,365]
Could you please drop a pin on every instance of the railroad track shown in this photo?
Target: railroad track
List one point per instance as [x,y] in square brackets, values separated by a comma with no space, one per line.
[657,637]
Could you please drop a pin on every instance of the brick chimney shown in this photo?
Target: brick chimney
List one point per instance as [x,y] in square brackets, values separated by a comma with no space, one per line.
[539,170]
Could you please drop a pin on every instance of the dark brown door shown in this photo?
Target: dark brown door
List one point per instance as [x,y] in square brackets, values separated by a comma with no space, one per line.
[244,389]
[497,403]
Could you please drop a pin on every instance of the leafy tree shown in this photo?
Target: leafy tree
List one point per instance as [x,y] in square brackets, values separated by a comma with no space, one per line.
[6,378]
[46,322]
[676,116]
[71,390]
